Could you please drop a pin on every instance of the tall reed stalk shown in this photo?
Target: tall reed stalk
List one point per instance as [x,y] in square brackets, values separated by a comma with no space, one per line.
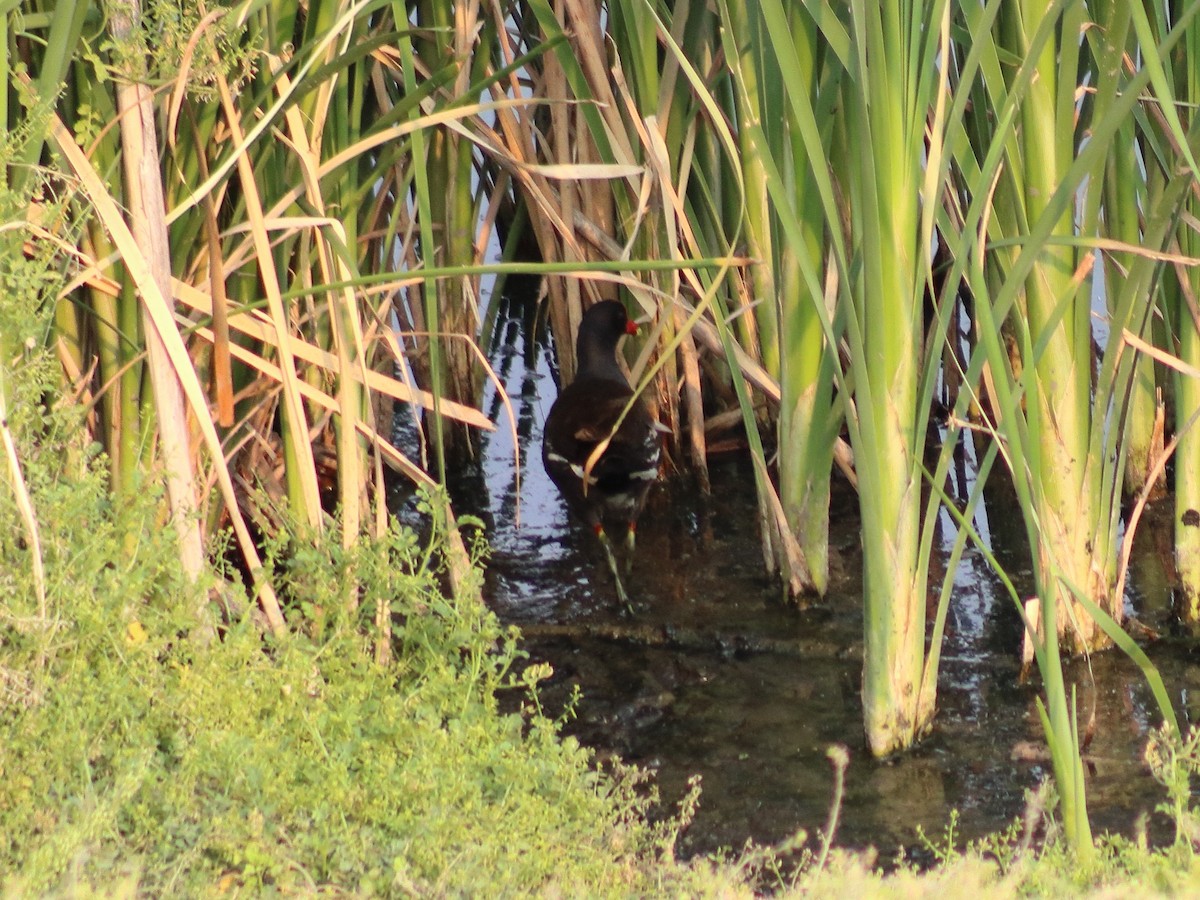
[892,84]
[1058,423]
[773,56]
[886,156]
[1183,311]
[1127,275]
[143,187]
[447,43]
[1053,328]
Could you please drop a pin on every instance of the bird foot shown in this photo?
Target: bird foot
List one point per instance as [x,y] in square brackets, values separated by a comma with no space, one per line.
[623,598]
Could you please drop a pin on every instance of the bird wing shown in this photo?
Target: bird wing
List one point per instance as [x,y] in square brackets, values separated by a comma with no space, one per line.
[600,423]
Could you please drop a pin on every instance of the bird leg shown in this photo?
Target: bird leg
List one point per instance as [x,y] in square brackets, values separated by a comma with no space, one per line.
[630,540]
[613,567]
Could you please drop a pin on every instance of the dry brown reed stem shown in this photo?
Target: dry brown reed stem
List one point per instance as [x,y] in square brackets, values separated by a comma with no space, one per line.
[257,326]
[158,308]
[395,459]
[144,200]
[693,403]
[304,472]
[571,142]
[566,309]
[353,392]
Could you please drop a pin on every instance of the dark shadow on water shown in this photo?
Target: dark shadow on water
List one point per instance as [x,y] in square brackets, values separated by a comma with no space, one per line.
[714,675]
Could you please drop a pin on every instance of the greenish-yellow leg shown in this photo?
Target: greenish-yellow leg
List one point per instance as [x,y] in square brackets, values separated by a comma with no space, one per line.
[614,567]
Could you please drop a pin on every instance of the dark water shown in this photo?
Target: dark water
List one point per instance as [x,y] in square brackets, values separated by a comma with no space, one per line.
[715,675]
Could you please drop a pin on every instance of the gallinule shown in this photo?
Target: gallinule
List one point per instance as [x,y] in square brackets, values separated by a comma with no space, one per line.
[600,445]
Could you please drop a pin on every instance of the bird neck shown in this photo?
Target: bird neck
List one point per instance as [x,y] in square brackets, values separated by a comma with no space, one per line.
[599,362]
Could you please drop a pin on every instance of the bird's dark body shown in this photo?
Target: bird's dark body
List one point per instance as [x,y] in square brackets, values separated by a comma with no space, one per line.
[585,414]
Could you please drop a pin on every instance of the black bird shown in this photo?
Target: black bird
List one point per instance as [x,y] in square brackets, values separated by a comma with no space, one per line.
[601,445]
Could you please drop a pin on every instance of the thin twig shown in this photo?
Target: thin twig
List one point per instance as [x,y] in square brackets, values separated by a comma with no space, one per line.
[839,756]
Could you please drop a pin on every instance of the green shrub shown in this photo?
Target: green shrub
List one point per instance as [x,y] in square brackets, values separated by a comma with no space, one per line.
[293,765]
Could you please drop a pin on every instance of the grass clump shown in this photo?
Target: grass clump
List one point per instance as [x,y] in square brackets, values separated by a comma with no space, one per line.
[298,765]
